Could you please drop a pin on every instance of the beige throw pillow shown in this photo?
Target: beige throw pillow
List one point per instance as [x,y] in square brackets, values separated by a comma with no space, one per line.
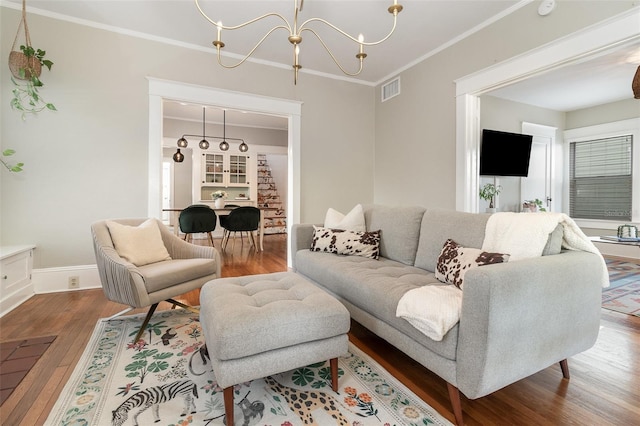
[352,221]
[140,244]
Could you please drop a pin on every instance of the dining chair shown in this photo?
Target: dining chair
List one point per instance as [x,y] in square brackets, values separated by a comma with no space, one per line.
[241,219]
[197,218]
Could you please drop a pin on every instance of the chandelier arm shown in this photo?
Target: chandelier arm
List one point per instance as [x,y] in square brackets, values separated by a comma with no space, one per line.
[252,50]
[333,57]
[344,33]
[244,24]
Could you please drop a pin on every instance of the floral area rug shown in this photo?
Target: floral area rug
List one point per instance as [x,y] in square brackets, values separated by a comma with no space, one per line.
[623,295]
[167,380]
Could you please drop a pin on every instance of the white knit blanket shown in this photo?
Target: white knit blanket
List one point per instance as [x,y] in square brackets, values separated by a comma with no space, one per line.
[434,310]
[524,235]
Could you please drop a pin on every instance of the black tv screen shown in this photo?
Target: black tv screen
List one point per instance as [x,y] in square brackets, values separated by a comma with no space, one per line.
[504,154]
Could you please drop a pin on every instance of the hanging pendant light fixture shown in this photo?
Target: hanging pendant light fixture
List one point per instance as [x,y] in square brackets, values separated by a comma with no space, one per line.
[635,85]
[295,36]
[224,145]
[204,143]
[178,157]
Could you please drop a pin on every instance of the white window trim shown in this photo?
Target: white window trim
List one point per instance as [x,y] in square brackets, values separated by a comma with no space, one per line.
[601,131]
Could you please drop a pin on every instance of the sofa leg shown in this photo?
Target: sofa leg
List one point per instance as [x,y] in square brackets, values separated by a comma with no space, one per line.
[564,366]
[454,397]
[333,363]
[228,405]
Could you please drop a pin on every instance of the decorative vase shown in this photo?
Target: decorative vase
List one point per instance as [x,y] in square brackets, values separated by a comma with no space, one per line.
[219,203]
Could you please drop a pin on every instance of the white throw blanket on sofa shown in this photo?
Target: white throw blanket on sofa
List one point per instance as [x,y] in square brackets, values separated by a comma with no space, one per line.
[434,310]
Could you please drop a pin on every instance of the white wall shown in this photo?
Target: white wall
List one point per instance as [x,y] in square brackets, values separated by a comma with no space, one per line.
[416,131]
[88,161]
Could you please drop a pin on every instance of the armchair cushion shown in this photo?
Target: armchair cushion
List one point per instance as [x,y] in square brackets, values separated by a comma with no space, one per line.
[160,275]
[140,245]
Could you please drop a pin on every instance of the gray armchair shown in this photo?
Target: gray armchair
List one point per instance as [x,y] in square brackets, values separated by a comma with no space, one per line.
[123,282]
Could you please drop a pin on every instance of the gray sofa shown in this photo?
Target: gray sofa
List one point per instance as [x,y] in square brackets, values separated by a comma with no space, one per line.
[517,317]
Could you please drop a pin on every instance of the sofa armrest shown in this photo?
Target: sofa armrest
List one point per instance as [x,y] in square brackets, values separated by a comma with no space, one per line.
[301,237]
[521,317]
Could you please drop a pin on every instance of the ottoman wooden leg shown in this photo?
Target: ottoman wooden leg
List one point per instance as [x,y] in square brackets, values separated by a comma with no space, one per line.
[228,405]
[333,362]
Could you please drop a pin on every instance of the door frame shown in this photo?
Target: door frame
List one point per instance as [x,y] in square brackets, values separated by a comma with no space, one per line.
[606,35]
[160,89]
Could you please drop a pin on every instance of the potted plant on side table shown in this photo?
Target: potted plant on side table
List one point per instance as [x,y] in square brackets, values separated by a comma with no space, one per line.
[488,193]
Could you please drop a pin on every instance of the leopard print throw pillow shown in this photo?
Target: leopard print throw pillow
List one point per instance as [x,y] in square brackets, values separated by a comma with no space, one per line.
[365,244]
[454,262]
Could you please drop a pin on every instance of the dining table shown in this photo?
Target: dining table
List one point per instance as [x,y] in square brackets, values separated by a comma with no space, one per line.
[175,213]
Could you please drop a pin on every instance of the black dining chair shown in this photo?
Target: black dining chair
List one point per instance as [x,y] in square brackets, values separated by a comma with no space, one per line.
[240,219]
[197,218]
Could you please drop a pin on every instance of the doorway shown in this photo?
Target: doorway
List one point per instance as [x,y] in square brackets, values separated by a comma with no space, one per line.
[160,90]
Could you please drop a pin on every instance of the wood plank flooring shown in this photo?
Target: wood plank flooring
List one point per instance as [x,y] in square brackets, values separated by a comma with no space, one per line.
[604,388]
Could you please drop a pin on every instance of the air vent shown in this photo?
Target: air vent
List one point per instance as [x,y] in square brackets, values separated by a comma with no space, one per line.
[391,89]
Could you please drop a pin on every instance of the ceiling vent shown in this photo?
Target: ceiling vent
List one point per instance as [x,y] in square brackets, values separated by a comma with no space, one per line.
[391,89]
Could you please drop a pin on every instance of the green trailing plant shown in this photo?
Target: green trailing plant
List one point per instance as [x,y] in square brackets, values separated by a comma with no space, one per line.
[11,167]
[27,85]
[488,193]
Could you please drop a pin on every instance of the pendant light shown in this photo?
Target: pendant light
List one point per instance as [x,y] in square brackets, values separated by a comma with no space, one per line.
[243,147]
[204,144]
[178,157]
[635,84]
[182,142]
[224,145]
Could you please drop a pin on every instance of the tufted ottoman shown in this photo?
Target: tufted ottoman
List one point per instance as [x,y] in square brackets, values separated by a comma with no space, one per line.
[258,325]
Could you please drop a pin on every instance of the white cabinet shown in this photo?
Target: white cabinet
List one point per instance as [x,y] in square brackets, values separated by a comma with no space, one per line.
[233,173]
[16,264]
[229,170]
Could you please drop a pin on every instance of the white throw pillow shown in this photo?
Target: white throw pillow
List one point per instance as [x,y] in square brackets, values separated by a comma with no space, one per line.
[139,245]
[352,221]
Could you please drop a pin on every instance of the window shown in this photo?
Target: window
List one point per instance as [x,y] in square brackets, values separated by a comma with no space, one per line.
[601,178]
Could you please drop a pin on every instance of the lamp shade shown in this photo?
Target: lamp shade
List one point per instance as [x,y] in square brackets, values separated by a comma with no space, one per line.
[182,142]
[204,144]
[636,84]
[178,157]
[224,146]
[243,147]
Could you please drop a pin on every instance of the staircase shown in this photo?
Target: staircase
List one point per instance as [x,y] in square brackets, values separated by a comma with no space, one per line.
[275,221]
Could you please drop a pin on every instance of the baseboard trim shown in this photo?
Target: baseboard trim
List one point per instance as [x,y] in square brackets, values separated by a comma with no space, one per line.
[54,280]
[9,303]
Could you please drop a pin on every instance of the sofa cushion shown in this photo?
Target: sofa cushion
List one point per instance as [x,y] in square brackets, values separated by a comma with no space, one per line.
[337,241]
[352,221]
[375,286]
[438,225]
[399,230]
[454,262]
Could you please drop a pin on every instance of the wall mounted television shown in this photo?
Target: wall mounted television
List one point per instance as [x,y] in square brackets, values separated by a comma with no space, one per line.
[504,153]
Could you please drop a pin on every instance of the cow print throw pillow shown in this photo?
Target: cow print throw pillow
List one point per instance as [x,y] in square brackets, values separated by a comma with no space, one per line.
[454,262]
[365,244]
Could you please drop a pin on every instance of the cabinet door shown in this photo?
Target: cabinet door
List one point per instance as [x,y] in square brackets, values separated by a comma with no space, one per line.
[213,170]
[238,170]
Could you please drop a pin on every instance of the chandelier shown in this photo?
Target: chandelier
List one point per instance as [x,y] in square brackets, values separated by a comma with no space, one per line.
[295,36]
[178,157]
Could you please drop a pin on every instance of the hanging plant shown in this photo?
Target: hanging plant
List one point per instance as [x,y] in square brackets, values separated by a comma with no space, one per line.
[11,167]
[26,68]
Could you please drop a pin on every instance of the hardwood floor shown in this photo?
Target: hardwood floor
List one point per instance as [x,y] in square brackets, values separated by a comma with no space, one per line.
[604,388]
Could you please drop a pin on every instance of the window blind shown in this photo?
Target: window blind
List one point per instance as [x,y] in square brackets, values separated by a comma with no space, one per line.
[601,178]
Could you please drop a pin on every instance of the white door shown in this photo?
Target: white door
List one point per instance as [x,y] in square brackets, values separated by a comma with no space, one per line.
[539,182]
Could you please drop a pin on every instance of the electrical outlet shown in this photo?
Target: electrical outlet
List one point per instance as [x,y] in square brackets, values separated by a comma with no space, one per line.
[74,282]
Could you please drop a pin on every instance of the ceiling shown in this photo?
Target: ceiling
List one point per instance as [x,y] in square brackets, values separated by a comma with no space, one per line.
[424,27]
